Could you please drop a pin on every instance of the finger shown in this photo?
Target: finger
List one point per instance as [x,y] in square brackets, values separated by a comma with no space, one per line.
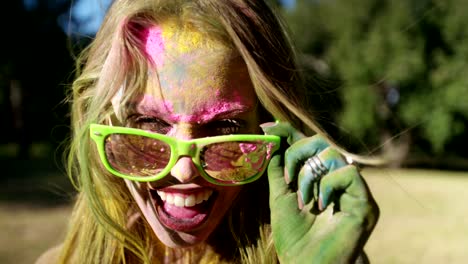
[331,159]
[345,179]
[280,195]
[305,192]
[365,212]
[283,129]
[299,152]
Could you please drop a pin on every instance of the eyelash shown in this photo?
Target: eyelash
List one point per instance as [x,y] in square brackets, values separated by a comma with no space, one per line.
[218,127]
[149,123]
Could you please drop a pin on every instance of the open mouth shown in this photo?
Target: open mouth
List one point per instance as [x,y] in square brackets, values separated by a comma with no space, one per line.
[183,211]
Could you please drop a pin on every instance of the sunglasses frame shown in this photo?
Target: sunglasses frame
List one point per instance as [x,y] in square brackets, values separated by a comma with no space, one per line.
[179,148]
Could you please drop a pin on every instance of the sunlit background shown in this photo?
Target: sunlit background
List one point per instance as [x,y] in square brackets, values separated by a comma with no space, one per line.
[385,77]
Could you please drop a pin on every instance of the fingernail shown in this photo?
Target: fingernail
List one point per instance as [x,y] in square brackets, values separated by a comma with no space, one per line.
[286,176]
[267,125]
[324,199]
[300,201]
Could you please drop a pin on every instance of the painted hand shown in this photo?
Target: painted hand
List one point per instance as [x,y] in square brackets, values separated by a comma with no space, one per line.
[306,229]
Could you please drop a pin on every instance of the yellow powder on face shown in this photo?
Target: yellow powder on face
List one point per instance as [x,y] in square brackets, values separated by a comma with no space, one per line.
[185,38]
[191,66]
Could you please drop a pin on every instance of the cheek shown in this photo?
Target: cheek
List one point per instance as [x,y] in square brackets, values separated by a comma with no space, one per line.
[229,194]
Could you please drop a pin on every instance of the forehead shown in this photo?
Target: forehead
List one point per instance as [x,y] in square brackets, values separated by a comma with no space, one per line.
[194,75]
[175,38]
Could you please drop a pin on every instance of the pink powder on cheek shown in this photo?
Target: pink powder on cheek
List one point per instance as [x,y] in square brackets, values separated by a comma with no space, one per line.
[154,45]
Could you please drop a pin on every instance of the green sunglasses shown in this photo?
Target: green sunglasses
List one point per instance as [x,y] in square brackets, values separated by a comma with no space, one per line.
[144,156]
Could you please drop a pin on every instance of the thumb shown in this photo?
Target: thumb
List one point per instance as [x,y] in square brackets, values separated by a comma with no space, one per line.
[276,181]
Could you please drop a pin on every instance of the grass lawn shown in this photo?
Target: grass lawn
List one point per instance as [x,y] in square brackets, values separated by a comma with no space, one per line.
[28,231]
[424,219]
[424,216]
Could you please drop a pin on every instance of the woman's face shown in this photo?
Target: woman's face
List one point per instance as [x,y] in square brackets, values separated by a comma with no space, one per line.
[199,89]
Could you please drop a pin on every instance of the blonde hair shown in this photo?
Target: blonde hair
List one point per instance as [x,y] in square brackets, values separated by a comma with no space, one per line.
[115,61]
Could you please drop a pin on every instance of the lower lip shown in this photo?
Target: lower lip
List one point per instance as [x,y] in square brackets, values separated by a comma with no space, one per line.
[183,224]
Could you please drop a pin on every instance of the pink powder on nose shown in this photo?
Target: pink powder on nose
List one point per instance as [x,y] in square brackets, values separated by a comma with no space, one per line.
[154,45]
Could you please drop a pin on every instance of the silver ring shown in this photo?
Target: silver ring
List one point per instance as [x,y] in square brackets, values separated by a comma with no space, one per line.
[316,167]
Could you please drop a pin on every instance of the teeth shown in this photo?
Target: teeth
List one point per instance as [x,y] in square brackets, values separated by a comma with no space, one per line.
[190,201]
[178,201]
[170,198]
[162,195]
[181,200]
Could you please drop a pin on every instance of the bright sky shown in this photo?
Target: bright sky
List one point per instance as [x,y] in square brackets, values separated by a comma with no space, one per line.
[288,3]
[89,14]
[94,10]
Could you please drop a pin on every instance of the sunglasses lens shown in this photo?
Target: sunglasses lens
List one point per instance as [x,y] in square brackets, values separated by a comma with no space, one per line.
[137,155]
[233,162]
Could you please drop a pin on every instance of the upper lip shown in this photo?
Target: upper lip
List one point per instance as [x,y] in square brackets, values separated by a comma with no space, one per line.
[181,189]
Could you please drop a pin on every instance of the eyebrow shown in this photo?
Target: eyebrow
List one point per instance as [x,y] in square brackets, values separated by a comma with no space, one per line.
[206,116]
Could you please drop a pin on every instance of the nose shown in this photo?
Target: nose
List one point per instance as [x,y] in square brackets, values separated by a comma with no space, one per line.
[184,170]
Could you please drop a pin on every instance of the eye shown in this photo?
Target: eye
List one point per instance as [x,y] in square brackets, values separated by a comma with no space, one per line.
[225,126]
[148,123]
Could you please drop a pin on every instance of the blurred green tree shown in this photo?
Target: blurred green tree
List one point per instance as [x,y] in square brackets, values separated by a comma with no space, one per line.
[401,66]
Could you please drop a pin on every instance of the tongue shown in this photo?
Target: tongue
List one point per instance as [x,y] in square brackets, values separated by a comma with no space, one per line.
[184,212]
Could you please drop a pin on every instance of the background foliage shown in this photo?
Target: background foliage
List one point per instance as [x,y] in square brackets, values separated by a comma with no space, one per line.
[401,66]
[381,69]
[384,75]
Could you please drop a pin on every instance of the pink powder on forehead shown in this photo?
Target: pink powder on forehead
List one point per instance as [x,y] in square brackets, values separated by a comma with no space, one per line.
[196,113]
[204,114]
[149,104]
[154,45]
[210,112]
